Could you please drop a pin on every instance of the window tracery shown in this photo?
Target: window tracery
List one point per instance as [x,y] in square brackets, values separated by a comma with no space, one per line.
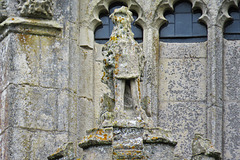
[183,25]
[232,28]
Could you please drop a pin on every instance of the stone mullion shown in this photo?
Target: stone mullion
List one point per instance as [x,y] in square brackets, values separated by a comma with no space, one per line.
[215,85]
[151,49]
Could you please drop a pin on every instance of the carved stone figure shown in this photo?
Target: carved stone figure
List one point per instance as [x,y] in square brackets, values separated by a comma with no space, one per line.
[202,148]
[36,8]
[124,63]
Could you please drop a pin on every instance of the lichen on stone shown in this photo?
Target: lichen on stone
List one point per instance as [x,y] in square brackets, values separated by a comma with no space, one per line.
[36,8]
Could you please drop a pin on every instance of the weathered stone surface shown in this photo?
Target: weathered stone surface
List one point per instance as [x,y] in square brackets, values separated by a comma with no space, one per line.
[232,131]
[232,68]
[25,144]
[202,148]
[66,151]
[184,119]
[182,79]
[36,8]
[50,78]
[86,78]
[3,12]
[180,50]
[159,151]
[103,153]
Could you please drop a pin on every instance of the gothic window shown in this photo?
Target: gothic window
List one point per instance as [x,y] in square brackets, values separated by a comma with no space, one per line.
[232,29]
[183,25]
[103,32]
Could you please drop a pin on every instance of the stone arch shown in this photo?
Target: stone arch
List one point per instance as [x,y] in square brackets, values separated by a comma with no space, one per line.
[103,5]
[223,15]
[165,5]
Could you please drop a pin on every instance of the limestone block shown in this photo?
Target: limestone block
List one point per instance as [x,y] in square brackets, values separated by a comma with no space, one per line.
[87,37]
[86,72]
[74,12]
[232,70]
[37,60]
[4,63]
[18,143]
[180,50]
[21,143]
[159,151]
[73,31]
[71,115]
[54,63]
[4,145]
[128,138]
[35,107]
[202,157]
[43,143]
[4,111]
[214,117]
[64,102]
[184,119]
[232,131]
[62,10]
[24,62]
[74,58]
[86,108]
[98,152]
[98,52]
[182,79]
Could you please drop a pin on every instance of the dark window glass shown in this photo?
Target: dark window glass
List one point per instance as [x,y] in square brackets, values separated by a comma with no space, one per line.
[103,32]
[232,28]
[183,25]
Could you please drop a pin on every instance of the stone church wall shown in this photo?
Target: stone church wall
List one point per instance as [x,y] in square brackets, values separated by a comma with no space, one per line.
[51,70]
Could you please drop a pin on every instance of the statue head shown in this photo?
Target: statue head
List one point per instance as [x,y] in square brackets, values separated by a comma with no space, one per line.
[122,16]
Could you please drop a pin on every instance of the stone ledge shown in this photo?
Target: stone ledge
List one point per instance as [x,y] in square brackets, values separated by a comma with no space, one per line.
[128,154]
[105,136]
[97,137]
[158,135]
[30,26]
[67,150]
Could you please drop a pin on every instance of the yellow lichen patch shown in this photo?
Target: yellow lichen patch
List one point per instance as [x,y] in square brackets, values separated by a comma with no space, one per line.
[154,138]
[139,90]
[104,74]
[90,136]
[113,38]
[99,132]
[116,71]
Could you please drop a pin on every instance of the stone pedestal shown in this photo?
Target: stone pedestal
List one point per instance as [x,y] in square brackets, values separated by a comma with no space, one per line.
[128,143]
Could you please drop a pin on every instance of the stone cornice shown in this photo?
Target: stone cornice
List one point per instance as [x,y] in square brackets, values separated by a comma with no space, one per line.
[30,26]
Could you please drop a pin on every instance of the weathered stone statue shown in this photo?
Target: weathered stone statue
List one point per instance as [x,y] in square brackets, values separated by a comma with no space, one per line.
[124,61]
